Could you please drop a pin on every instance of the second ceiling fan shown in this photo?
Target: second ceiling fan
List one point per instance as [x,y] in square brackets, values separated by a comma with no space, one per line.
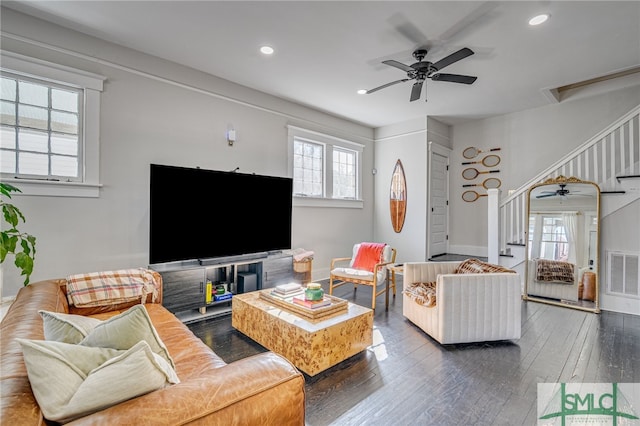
[422,70]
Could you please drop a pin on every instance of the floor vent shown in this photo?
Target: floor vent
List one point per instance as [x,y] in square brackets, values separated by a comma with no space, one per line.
[623,274]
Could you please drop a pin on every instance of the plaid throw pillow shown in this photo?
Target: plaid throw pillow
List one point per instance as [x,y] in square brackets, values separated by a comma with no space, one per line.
[475,266]
[554,271]
[422,293]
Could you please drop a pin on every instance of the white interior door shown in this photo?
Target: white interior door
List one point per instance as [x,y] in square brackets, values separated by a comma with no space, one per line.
[438,208]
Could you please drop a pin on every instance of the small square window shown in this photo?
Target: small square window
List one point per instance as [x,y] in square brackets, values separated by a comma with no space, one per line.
[40,129]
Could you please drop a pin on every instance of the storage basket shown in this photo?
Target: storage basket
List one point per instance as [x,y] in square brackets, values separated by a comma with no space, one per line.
[302,270]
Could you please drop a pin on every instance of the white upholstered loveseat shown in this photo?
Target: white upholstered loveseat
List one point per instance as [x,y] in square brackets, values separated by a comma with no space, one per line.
[469,307]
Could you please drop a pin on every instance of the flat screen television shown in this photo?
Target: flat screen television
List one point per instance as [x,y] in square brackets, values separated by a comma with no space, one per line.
[198,214]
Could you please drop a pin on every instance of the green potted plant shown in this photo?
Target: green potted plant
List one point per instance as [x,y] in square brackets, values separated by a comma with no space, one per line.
[20,244]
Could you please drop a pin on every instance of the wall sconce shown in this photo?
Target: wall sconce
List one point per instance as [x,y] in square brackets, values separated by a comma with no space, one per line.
[231,136]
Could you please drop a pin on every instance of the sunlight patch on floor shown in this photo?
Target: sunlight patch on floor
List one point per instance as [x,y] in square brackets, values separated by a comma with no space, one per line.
[378,347]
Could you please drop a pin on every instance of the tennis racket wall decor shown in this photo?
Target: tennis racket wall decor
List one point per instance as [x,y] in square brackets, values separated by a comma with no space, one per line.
[472,173]
[486,184]
[472,152]
[470,196]
[488,161]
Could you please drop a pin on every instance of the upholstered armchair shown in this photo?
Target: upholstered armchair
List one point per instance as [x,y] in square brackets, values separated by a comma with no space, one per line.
[462,307]
[346,270]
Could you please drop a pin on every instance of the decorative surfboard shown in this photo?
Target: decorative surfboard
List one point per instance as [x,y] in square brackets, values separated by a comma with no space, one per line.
[398,197]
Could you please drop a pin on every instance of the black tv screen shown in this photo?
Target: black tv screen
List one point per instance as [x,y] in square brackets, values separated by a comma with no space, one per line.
[198,214]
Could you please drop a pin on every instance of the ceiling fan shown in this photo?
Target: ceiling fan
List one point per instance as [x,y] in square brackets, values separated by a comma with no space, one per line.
[422,70]
[562,192]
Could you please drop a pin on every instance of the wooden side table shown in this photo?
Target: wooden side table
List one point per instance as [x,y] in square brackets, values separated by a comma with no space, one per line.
[392,270]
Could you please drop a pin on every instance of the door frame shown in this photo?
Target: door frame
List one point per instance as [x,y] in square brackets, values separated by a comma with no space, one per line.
[443,151]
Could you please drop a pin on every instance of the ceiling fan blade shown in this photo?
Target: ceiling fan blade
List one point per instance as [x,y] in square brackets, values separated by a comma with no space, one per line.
[387,85]
[454,78]
[399,65]
[410,31]
[546,195]
[416,90]
[454,57]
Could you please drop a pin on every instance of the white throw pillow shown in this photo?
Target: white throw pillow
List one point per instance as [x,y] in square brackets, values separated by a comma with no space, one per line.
[67,328]
[71,381]
[125,330]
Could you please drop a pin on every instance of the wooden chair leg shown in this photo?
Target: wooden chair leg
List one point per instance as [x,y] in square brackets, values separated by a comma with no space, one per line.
[373,299]
[330,284]
[393,283]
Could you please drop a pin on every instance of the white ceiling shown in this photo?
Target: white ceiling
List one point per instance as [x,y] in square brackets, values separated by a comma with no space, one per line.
[326,50]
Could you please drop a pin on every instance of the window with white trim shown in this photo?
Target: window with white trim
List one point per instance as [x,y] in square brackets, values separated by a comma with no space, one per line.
[344,173]
[550,241]
[308,168]
[325,169]
[49,127]
[40,136]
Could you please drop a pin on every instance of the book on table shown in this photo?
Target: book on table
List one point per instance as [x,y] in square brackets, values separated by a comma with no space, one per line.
[287,296]
[285,289]
[313,304]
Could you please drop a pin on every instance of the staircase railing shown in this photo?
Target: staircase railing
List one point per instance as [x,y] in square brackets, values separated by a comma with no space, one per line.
[612,152]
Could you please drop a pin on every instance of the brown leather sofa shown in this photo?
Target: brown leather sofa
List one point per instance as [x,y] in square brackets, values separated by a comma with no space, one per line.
[263,389]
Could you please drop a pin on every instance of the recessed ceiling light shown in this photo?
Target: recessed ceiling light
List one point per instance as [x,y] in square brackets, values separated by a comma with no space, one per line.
[362,92]
[537,20]
[267,50]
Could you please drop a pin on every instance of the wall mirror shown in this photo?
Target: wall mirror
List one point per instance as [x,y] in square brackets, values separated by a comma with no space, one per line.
[562,247]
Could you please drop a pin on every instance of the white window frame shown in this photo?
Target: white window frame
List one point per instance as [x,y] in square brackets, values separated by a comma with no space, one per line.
[92,86]
[539,224]
[323,177]
[356,163]
[328,142]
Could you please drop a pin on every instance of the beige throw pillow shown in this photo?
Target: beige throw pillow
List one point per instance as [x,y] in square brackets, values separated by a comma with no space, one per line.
[71,381]
[125,330]
[67,328]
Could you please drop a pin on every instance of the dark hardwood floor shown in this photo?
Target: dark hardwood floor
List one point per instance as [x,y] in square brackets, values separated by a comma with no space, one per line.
[407,378]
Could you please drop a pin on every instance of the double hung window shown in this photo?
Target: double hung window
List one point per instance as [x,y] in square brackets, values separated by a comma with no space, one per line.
[326,170]
[49,127]
[41,135]
[548,237]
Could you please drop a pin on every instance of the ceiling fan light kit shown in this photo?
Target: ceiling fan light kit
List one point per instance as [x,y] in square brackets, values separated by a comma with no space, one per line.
[421,70]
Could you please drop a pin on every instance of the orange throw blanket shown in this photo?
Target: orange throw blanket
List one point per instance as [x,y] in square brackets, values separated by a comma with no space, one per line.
[369,254]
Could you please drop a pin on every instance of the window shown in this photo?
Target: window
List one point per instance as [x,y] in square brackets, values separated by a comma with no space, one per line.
[553,242]
[308,170]
[40,129]
[49,127]
[344,173]
[326,170]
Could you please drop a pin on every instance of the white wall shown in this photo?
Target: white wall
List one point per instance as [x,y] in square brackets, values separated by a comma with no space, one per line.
[407,142]
[154,111]
[530,141]
[439,132]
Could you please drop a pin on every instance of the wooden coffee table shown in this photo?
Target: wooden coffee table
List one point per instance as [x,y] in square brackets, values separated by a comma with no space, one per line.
[311,345]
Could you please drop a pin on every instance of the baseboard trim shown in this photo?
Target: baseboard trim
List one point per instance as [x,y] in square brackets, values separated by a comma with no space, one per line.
[469,250]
